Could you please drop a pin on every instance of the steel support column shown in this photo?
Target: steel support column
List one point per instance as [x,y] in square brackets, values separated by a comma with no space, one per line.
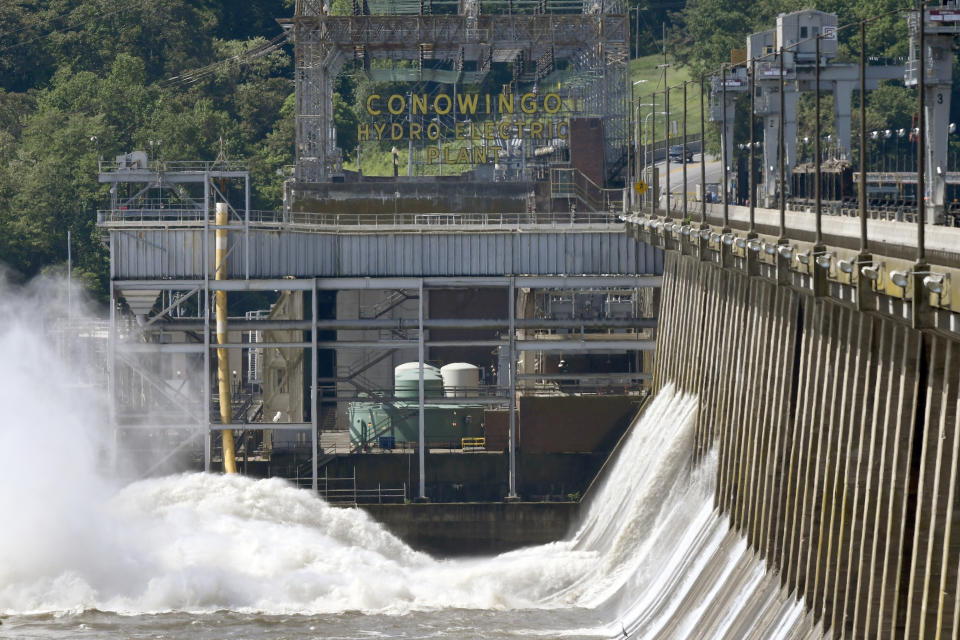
[205,418]
[422,493]
[112,375]
[246,226]
[206,378]
[314,405]
[512,379]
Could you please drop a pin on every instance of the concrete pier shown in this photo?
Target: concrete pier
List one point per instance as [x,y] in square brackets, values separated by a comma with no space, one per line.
[838,441]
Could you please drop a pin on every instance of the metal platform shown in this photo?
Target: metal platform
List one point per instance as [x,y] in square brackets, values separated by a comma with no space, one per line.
[146,252]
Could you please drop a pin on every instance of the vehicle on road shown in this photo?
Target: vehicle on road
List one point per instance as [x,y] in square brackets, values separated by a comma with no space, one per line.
[679,154]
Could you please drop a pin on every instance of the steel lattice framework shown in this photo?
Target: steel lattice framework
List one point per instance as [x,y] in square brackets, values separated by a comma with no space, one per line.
[594,42]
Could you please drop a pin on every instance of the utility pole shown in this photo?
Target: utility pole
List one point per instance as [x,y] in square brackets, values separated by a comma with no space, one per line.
[781,183]
[666,125]
[723,148]
[751,187]
[921,138]
[654,180]
[683,157]
[818,198]
[703,159]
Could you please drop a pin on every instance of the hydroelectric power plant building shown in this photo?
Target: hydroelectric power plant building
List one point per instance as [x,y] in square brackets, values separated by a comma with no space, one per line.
[824,351]
[497,244]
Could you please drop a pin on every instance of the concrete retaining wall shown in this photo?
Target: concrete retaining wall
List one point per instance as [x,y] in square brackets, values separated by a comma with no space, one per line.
[469,477]
[461,529]
[837,440]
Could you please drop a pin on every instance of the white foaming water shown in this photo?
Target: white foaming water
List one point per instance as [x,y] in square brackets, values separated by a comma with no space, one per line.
[651,554]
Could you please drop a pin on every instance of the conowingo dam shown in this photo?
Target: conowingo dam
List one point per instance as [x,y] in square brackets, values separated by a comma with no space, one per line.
[551,353]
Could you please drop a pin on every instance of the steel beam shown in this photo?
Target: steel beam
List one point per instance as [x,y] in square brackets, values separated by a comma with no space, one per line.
[558,344]
[314,403]
[421,445]
[512,378]
[578,345]
[377,283]
[584,377]
[279,426]
[404,323]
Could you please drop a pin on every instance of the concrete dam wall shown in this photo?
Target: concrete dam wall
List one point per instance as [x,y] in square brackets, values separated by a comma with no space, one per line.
[838,443]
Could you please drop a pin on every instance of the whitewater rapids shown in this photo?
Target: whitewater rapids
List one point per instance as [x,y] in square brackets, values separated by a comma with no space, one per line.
[649,559]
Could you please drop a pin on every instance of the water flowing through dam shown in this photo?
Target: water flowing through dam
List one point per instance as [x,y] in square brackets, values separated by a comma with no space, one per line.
[206,555]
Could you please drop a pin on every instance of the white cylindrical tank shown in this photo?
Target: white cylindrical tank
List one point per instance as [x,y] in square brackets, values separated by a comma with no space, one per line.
[460,379]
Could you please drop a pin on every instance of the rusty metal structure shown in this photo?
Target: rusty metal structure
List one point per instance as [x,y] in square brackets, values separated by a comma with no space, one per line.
[582,46]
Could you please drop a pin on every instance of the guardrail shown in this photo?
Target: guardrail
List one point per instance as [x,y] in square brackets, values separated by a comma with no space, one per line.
[176,165]
[344,491]
[896,212]
[572,183]
[305,221]
[473,444]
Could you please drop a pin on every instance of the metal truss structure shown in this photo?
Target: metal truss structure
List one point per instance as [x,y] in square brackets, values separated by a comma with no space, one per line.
[162,349]
[941,26]
[161,234]
[593,42]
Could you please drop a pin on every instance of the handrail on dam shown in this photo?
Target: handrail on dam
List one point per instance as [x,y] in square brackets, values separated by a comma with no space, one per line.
[300,220]
[887,237]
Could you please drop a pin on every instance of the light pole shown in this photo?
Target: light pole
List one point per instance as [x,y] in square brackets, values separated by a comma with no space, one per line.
[635,172]
[653,150]
[641,151]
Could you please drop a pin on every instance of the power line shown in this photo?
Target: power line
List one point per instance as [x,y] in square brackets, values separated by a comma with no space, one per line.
[195,75]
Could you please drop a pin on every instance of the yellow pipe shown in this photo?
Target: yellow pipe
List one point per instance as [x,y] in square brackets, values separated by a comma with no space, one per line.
[223,365]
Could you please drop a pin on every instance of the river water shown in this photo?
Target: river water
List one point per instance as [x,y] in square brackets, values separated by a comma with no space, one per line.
[213,556]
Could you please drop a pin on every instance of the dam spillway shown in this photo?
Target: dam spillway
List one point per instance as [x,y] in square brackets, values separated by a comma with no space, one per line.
[651,557]
[812,411]
[762,438]
[835,428]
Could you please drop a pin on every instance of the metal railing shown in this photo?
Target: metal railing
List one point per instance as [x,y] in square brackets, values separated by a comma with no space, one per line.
[141,215]
[572,183]
[304,221]
[176,165]
[473,444]
[344,492]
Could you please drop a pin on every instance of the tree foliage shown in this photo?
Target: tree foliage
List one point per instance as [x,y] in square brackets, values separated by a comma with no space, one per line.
[82,80]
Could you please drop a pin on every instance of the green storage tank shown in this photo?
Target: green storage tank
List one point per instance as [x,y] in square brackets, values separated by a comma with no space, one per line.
[444,425]
[406,382]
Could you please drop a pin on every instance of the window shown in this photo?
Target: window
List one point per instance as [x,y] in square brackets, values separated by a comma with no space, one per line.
[803,33]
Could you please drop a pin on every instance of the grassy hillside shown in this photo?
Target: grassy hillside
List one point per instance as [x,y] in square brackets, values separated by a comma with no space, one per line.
[646,77]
